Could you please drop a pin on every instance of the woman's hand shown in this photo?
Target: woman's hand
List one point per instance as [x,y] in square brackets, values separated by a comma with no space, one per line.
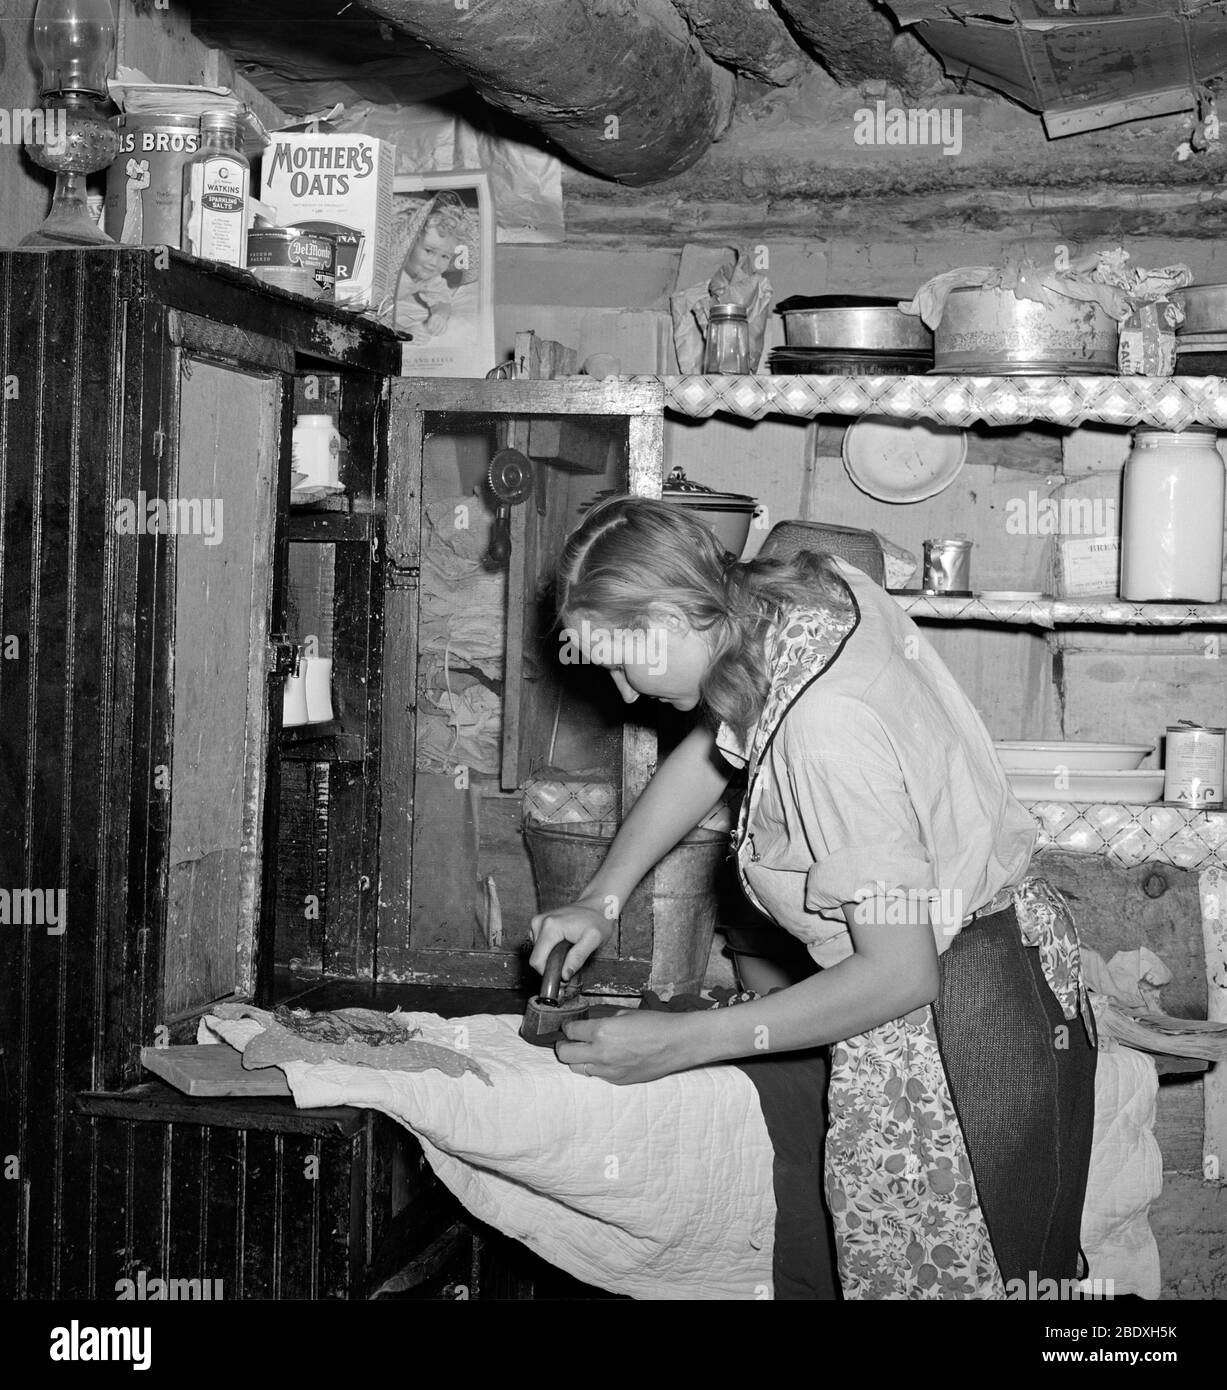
[581,923]
[631,1046]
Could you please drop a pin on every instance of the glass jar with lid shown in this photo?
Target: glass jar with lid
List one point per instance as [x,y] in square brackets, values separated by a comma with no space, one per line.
[1172,495]
[726,350]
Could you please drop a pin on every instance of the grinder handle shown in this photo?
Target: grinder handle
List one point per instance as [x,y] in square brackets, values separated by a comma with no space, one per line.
[551,979]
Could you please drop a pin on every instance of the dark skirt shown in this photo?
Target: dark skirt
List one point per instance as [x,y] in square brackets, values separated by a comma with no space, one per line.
[1022,1078]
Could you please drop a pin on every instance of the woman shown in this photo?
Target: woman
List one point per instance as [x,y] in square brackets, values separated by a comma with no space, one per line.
[876,826]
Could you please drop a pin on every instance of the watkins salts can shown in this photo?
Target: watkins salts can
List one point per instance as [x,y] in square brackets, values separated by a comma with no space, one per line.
[1193,767]
[293,259]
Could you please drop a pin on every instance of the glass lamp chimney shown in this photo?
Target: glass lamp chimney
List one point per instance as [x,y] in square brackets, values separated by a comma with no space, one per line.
[74,41]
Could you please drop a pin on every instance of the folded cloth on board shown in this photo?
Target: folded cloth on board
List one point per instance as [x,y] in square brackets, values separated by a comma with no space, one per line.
[1126,1174]
[661,1191]
[358,1037]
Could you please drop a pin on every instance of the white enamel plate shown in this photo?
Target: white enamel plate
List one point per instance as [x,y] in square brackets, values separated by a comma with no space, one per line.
[902,460]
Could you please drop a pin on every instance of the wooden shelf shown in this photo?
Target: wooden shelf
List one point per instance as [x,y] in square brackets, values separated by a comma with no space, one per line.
[1062,612]
[327,742]
[328,526]
[157,1102]
[1172,403]
[1168,1065]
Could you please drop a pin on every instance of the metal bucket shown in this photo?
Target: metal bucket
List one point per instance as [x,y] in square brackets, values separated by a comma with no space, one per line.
[566,856]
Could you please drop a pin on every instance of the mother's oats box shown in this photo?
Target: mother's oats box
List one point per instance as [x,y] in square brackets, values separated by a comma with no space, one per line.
[339,184]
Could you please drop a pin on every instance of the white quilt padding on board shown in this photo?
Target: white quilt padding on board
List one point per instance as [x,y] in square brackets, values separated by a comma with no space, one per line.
[660,1191]
[1126,1174]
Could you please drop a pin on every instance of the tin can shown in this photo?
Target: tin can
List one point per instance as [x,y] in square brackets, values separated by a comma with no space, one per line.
[303,262]
[144,197]
[947,567]
[1193,766]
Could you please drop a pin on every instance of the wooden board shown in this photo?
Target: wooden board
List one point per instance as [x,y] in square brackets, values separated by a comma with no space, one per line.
[212,1071]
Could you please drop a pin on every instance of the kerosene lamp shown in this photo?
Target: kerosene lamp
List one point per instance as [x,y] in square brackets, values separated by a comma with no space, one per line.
[74,41]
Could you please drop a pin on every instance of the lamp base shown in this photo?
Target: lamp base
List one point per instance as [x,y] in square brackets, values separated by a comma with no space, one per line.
[67,234]
[69,222]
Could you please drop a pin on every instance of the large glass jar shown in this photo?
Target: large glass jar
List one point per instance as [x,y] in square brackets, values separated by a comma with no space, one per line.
[1172,517]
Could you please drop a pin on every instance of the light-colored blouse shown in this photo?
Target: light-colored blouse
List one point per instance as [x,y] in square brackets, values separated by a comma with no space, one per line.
[880,778]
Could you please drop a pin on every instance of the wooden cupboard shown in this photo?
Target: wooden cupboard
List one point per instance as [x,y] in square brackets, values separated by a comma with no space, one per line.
[165,842]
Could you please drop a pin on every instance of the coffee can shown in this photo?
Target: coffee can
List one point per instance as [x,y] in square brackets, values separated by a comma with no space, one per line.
[947,567]
[144,194]
[1193,765]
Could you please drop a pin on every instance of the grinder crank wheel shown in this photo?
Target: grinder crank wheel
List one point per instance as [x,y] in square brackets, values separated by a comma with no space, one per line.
[510,478]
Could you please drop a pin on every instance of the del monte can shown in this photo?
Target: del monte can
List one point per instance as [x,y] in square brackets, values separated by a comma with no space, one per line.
[293,258]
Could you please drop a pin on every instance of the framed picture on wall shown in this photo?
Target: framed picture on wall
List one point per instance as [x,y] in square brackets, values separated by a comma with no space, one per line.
[443,272]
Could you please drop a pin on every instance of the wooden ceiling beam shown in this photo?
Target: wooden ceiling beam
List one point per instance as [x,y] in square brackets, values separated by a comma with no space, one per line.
[624,89]
[856,41]
[745,35]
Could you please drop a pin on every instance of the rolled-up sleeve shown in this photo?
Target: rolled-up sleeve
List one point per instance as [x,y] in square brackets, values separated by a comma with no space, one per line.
[856,816]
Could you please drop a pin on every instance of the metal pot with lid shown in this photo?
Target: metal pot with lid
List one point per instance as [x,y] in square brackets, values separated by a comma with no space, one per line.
[728,514]
[856,323]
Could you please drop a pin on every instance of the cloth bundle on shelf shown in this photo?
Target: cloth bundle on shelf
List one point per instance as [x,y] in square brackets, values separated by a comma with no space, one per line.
[461,632]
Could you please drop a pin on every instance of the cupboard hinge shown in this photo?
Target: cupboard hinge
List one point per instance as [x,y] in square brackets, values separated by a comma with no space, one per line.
[159,443]
[402,576]
[282,655]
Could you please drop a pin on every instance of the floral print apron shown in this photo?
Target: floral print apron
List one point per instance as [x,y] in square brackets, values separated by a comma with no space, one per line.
[901,1191]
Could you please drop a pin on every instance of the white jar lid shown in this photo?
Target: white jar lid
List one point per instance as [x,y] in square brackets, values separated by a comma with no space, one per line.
[316,421]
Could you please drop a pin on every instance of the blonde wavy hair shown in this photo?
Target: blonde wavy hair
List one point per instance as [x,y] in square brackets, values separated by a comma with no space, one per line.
[632,552]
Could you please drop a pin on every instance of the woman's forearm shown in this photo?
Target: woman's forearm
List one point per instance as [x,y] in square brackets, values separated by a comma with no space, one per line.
[893,971]
[684,788]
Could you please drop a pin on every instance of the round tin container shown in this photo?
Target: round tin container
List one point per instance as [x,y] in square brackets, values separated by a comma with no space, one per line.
[144,198]
[988,332]
[1193,766]
[844,323]
[292,259]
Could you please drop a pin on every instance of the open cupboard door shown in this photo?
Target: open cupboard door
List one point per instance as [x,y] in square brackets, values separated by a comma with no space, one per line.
[477,702]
